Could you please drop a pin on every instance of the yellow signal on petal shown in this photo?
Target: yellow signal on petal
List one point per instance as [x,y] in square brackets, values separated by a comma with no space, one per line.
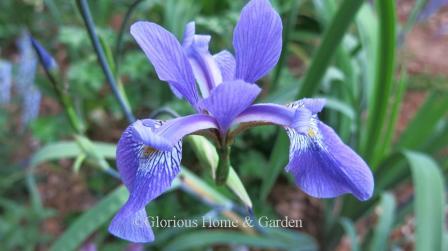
[148,151]
[311,133]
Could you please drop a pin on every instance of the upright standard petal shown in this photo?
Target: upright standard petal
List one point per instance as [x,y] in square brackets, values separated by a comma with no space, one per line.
[147,173]
[226,63]
[322,165]
[168,58]
[228,100]
[205,68]
[257,40]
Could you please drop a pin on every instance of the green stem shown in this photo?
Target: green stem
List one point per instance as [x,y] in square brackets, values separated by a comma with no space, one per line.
[88,20]
[222,171]
[63,98]
[119,43]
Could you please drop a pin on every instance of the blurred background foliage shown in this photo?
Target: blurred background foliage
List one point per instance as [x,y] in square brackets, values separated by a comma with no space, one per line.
[381,65]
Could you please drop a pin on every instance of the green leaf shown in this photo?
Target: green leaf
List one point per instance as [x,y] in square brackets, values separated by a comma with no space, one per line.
[384,75]
[90,221]
[49,152]
[78,162]
[277,160]
[200,188]
[386,211]
[69,149]
[429,201]
[425,121]
[235,184]
[350,230]
[393,117]
[206,238]
[107,150]
[331,40]
[367,26]
[207,155]
[340,106]
[413,17]
[205,152]
[439,139]
[55,151]
[287,30]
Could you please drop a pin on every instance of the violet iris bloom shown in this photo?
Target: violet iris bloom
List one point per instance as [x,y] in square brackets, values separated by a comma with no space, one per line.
[221,88]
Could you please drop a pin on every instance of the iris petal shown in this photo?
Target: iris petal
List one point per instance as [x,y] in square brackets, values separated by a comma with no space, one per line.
[146,173]
[168,58]
[205,68]
[226,63]
[315,105]
[257,40]
[323,166]
[134,227]
[143,132]
[228,100]
[175,129]
[266,113]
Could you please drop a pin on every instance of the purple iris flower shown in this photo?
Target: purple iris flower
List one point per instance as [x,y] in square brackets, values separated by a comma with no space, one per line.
[48,62]
[25,79]
[221,88]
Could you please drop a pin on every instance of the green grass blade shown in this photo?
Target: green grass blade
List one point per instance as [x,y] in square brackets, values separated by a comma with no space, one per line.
[393,117]
[235,184]
[384,74]
[339,106]
[55,151]
[328,47]
[367,26]
[429,201]
[386,211]
[69,149]
[200,188]
[412,18]
[350,230]
[277,160]
[288,29]
[90,221]
[439,140]
[206,238]
[424,123]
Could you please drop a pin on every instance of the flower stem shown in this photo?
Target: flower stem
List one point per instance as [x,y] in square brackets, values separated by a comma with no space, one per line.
[222,171]
[119,43]
[87,17]
[63,98]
